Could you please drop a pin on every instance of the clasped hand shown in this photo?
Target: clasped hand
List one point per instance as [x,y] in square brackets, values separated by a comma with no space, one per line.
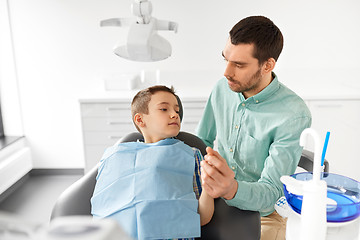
[217,178]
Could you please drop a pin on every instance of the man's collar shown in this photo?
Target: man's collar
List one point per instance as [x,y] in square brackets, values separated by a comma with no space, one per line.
[265,93]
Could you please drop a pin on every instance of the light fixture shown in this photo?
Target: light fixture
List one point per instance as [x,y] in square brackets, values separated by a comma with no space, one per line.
[143,42]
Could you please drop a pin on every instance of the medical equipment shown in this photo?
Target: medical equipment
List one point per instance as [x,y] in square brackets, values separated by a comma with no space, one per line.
[143,42]
[320,205]
[83,228]
[12,227]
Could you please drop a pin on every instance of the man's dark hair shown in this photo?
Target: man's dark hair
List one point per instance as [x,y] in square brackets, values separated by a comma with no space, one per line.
[140,103]
[263,33]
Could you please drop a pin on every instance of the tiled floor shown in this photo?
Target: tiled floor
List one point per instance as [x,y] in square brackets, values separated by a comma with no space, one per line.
[34,199]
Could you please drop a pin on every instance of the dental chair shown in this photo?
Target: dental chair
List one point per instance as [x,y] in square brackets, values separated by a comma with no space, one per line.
[227,222]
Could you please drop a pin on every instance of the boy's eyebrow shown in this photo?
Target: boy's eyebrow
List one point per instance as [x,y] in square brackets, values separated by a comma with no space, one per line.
[161,103]
[236,62]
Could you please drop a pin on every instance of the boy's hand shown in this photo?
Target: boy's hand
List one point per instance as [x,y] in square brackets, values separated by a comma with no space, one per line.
[217,178]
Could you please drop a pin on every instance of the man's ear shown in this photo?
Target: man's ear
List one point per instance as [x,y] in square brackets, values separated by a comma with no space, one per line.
[269,65]
[138,120]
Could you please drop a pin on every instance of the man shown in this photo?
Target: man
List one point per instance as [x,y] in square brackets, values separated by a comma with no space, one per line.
[257,122]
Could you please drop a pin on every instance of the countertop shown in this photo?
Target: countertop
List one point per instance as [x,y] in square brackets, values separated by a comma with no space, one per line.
[199,87]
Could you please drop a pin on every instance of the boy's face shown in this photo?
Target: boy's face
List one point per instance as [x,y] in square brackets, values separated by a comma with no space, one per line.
[163,119]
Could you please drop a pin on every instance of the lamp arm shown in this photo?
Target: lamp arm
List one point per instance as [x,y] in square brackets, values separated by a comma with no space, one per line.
[117,22]
[142,9]
[166,25]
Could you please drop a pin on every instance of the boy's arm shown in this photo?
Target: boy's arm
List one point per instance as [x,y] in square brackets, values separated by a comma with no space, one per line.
[206,203]
[206,208]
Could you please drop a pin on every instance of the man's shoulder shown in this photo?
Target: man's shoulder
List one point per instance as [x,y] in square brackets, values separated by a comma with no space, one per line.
[293,102]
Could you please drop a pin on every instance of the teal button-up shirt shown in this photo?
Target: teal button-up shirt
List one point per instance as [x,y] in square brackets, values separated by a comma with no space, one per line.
[258,137]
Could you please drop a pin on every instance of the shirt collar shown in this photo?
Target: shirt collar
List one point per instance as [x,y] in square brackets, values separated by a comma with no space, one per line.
[265,93]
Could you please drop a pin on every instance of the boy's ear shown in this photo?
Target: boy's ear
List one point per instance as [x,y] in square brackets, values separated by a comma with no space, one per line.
[138,120]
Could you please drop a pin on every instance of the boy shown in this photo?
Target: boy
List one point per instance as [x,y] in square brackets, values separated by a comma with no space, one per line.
[149,188]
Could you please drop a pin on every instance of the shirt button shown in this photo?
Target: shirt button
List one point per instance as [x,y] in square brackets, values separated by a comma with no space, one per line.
[231,150]
[257,101]
[236,127]
[233,168]
[243,104]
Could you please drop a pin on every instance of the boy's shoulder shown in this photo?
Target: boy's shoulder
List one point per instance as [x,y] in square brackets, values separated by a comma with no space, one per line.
[138,146]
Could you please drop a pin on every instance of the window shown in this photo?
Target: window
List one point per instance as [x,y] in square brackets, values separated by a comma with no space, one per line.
[10,116]
[1,125]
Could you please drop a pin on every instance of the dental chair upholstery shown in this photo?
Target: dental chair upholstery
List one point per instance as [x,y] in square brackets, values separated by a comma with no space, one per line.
[307,160]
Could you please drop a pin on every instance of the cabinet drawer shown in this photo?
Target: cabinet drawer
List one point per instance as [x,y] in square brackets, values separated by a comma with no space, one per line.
[93,155]
[106,124]
[189,128]
[190,120]
[200,104]
[193,113]
[106,109]
[103,138]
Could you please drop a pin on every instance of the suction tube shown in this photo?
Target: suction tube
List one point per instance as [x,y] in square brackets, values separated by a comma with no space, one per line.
[317,151]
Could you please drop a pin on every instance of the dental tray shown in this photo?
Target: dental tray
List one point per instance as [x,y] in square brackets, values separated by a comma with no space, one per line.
[343,193]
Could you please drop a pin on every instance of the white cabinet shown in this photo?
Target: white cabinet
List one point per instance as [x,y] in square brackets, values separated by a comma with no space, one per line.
[103,123]
[342,119]
[193,110]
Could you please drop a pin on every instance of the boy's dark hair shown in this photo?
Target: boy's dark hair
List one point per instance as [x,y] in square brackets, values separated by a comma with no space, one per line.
[263,33]
[140,103]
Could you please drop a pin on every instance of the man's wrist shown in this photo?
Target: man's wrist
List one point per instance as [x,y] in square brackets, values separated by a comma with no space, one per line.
[233,190]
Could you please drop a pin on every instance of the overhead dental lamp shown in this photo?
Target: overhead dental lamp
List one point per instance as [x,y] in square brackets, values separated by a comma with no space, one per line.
[143,42]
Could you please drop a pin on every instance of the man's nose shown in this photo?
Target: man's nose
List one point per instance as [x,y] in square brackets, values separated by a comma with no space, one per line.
[229,70]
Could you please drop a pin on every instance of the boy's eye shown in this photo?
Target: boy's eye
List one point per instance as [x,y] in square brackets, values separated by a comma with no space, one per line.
[163,109]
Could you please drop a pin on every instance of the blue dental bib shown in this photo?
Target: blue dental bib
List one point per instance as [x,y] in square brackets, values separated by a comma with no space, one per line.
[148,189]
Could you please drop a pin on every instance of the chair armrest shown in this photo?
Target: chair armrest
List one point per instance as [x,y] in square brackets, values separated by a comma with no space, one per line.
[75,200]
[230,223]
[307,160]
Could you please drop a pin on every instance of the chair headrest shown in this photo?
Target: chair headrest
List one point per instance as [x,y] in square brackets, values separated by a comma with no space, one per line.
[181,112]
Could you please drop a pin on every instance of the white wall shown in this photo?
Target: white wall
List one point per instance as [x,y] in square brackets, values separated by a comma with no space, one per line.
[62,53]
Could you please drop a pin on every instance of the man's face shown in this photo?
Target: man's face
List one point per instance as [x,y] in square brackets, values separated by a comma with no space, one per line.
[163,119]
[242,70]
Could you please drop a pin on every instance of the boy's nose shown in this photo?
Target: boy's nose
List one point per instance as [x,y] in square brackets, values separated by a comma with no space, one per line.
[174,115]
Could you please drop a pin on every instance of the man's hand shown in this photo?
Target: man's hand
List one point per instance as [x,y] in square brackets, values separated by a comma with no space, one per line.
[217,178]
